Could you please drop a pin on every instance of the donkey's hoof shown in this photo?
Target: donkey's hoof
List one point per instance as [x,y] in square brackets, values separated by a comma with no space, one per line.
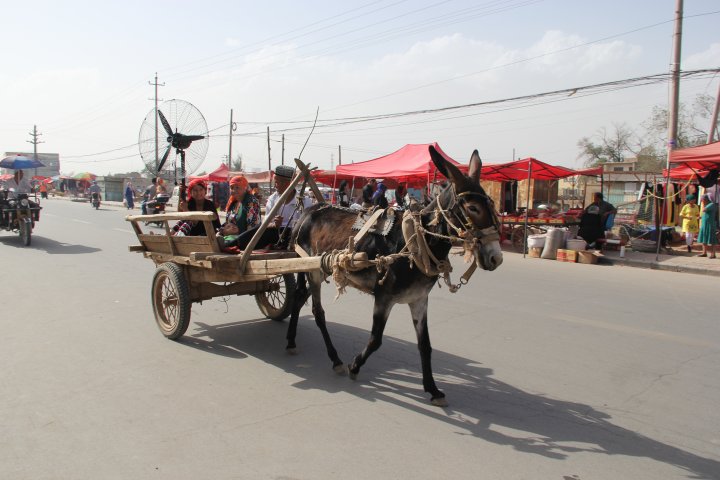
[352,375]
[439,402]
[291,350]
[340,369]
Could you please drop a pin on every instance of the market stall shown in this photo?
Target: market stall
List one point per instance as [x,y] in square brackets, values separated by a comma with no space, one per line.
[517,227]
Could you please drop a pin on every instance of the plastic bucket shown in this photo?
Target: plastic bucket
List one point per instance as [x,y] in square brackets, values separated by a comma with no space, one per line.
[536,241]
[576,244]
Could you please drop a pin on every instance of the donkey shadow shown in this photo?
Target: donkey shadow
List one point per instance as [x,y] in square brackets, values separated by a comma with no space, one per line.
[480,405]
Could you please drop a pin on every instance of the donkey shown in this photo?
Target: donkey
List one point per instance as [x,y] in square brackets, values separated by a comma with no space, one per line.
[462,209]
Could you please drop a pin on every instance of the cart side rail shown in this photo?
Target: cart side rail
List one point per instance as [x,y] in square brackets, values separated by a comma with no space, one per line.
[169,244]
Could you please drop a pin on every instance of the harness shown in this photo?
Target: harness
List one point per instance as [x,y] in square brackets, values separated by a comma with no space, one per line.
[417,245]
[417,248]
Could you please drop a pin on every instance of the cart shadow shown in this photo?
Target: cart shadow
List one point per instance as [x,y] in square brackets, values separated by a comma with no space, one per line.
[480,405]
[49,245]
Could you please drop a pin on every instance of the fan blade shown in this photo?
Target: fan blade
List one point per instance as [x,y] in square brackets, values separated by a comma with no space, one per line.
[165,123]
[165,156]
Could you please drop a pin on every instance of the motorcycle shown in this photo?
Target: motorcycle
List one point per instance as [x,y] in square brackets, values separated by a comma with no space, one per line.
[95,200]
[18,214]
[158,207]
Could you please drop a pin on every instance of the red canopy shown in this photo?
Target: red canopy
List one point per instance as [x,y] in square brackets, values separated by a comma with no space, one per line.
[684,173]
[519,171]
[331,177]
[590,172]
[700,157]
[411,164]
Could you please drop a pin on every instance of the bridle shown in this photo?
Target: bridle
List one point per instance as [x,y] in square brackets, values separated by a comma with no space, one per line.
[480,235]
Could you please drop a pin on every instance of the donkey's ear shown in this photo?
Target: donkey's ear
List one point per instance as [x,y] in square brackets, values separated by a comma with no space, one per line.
[446,168]
[475,166]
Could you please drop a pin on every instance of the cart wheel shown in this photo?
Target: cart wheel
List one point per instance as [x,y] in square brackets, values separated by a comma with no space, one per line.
[518,239]
[276,303]
[25,232]
[171,300]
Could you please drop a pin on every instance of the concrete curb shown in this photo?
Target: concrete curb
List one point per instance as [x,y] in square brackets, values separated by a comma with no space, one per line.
[653,265]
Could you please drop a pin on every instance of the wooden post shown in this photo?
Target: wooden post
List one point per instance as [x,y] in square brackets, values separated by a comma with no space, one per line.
[245,255]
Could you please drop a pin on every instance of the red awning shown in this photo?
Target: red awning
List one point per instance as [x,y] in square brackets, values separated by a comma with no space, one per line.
[411,164]
[519,171]
[700,157]
[590,172]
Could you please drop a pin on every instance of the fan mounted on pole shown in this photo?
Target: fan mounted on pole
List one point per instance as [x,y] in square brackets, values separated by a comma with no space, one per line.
[180,126]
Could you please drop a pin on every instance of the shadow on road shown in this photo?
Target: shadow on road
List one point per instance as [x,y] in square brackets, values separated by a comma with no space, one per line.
[47,244]
[480,405]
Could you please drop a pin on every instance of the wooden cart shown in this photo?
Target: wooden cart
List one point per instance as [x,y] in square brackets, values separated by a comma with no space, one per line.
[193,269]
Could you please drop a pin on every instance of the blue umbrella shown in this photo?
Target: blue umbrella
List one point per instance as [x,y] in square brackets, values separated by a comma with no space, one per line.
[19,162]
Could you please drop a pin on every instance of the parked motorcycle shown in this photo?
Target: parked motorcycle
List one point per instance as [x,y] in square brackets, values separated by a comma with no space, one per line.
[95,200]
[157,206]
[18,214]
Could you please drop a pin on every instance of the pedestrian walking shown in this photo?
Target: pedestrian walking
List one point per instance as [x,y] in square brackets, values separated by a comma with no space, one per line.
[708,226]
[129,196]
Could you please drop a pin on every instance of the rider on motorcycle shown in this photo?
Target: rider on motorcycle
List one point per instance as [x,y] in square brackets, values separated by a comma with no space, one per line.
[149,196]
[94,190]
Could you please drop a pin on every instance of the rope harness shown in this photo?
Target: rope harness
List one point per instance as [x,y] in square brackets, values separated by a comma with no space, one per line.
[417,248]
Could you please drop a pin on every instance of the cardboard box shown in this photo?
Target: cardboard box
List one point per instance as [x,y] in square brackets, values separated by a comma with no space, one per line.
[564,255]
[586,256]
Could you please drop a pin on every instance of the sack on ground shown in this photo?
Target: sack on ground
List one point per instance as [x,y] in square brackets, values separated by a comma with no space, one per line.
[554,239]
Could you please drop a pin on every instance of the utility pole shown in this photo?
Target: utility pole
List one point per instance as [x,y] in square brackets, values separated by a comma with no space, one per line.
[339,155]
[233,127]
[713,121]
[282,158]
[34,134]
[157,155]
[672,114]
[675,80]
[268,140]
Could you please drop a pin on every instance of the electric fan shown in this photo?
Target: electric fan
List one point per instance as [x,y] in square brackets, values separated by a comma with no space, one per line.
[177,125]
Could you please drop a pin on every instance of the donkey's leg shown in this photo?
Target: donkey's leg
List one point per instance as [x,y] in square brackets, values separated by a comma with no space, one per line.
[418,310]
[301,296]
[316,279]
[381,312]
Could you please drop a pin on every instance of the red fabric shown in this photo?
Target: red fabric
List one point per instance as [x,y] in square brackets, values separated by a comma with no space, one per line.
[519,171]
[590,172]
[411,164]
[194,182]
[700,157]
[684,172]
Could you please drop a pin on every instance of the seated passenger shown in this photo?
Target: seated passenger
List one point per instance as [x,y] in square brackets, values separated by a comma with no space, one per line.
[242,212]
[284,219]
[197,203]
[379,199]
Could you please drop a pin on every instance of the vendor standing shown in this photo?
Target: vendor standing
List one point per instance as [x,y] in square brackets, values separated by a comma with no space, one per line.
[690,215]
[594,220]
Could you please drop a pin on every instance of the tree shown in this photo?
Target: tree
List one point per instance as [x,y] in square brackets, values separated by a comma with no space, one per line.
[610,146]
[690,120]
[237,164]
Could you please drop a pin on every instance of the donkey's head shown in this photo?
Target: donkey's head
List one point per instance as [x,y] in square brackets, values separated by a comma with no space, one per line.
[471,210]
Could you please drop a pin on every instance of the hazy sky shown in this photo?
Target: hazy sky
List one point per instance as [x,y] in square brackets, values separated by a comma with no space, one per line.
[79,70]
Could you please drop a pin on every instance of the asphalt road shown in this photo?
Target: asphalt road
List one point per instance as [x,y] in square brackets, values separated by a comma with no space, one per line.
[552,371]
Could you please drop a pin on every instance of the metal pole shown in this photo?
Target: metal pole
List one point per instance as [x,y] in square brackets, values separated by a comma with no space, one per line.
[230,142]
[339,155]
[527,207]
[268,141]
[672,112]
[713,121]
